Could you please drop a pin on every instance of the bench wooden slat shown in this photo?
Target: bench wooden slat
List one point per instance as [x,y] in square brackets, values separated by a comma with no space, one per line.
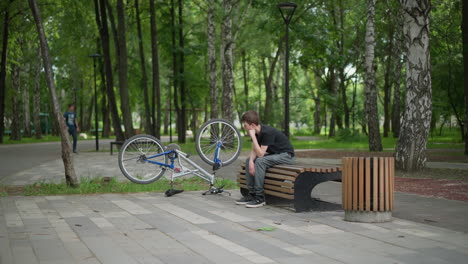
[269,181]
[387,187]
[278,194]
[276,171]
[376,184]
[381,184]
[276,188]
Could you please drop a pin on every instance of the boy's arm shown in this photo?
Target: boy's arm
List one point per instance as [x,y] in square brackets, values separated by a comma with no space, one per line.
[76,125]
[259,150]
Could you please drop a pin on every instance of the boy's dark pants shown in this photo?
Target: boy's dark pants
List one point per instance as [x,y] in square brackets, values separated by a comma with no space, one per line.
[72,132]
[255,183]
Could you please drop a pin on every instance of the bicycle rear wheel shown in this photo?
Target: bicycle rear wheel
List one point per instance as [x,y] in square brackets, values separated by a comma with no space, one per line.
[218,139]
[135,156]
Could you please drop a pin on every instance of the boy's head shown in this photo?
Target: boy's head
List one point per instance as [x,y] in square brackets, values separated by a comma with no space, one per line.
[71,107]
[250,120]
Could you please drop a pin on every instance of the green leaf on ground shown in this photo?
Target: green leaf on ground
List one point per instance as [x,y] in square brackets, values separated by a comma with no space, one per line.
[266,228]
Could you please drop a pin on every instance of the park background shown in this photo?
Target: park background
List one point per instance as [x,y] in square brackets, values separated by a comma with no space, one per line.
[165,67]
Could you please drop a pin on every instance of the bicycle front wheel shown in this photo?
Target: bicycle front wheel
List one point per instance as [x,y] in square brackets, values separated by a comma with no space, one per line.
[218,140]
[136,157]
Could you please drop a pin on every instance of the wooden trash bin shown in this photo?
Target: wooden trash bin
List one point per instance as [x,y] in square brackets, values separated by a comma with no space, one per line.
[368,189]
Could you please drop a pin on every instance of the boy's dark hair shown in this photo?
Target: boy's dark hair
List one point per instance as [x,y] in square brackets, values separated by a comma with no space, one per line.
[250,117]
[70,105]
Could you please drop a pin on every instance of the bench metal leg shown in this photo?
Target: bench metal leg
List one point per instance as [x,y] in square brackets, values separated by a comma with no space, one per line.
[305,183]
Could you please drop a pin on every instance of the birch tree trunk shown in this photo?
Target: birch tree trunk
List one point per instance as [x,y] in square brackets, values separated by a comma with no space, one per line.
[227,62]
[70,175]
[156,99]
[465,65]
[144,77]
[415,125]
[371,110]
[123,71]
[104,33]
[6,25]
[15,102]
[37,97]
[211,34]
[387,82]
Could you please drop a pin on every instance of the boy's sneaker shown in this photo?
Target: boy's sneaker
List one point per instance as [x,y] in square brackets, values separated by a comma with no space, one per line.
[244,200]
[256,202]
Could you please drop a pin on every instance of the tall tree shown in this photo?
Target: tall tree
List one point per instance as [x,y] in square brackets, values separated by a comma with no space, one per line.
[415,125]
[211,36]
[227,61]
[6,26]
[465,66]
[387,80]
[182,125]
[37,97]
[269,100]
[104,33]
[372,114]
[156,102]
[70,175]
[144,77]
[15,102]
[175,73]
[123,71]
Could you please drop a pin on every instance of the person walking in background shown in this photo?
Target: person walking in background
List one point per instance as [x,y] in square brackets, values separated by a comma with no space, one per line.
[72,123]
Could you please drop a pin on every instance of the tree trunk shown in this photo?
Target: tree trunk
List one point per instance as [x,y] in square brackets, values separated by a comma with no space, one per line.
[15,102]
[182,125]
[387,82]
[334,104]
[26,111]
[144,78]
[156,99]
[106,125]
[103,30]
[211,35]
[465,65]
[37,97]
[268,111]
[166,116]
[227,62]
[398,50]
[246,86]
[6,23]
[316,98]
[371,110]
[415,125]
[123,72]
[70,175]
[175,73]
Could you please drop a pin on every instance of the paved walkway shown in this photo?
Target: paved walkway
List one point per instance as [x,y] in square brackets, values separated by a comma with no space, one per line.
[191,228]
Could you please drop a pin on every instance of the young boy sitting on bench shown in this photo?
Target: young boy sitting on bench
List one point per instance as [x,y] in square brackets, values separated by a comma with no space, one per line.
[269,147]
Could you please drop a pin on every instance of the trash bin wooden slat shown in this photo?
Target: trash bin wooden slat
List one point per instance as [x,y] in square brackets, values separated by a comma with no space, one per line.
[368,186]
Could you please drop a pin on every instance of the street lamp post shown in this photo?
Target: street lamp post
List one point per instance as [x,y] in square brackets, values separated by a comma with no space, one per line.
[96,124]
[287,12]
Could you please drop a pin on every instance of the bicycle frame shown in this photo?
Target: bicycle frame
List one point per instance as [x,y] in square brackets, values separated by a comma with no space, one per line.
[198,171]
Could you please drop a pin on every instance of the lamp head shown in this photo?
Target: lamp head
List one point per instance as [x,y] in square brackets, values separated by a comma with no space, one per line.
[287,11]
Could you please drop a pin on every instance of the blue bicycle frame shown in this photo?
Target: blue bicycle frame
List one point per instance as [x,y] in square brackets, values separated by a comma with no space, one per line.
[198,171]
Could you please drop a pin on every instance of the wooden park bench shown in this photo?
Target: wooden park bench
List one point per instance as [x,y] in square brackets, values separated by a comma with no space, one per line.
[293,182]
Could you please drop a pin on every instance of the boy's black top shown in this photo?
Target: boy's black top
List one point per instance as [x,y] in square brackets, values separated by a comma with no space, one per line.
[276,141]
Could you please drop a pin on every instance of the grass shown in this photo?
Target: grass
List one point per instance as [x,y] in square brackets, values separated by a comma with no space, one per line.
[98,185]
